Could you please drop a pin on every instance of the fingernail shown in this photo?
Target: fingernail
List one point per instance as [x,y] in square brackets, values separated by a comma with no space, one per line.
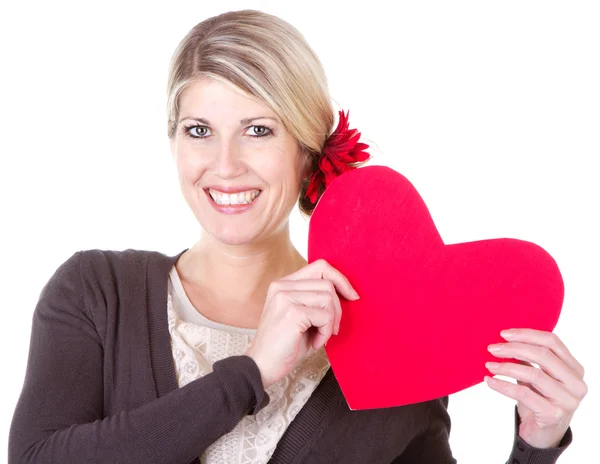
[488,379]
[355,295]
[493,348]
[492,365]
[507,333]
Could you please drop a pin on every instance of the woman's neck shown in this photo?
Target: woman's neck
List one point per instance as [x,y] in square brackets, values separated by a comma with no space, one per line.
[232,281]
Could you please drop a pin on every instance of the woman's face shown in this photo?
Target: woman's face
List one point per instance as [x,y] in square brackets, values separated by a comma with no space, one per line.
[239,169]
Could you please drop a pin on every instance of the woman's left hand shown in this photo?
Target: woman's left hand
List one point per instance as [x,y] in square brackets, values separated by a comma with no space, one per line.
[548,396]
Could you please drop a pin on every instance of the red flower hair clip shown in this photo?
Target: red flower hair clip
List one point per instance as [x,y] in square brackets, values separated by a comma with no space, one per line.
[341,149]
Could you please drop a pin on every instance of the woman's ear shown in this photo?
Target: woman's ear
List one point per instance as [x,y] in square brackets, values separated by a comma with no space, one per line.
[306,165]
[173,147]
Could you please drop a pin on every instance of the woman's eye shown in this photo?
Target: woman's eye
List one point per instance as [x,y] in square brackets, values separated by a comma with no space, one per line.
[196,131]
[202,132]
[259,131]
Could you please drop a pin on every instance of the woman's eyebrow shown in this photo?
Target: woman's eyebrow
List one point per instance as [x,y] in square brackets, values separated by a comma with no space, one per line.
[243,121]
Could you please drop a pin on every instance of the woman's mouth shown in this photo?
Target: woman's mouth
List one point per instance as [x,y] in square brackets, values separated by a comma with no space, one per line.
[232,202]
[239,198]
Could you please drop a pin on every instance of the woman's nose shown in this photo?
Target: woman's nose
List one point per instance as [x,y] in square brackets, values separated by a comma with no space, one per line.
[227,161]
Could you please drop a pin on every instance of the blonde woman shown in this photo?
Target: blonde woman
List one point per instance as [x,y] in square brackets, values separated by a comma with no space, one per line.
[215,355]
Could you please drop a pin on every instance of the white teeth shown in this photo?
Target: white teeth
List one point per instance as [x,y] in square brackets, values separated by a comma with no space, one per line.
[221,198]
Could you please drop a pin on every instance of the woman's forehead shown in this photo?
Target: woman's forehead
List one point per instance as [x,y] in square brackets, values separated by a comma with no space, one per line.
[217,99]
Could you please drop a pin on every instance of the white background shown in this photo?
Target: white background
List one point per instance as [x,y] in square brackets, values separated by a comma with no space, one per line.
[491,109]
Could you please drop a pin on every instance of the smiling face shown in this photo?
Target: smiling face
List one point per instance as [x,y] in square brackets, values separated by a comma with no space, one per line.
[227,142]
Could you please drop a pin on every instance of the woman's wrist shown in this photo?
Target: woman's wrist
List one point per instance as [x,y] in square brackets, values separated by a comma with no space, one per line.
[265,381]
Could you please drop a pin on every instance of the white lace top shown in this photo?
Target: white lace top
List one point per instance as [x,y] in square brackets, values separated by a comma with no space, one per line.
[198,342]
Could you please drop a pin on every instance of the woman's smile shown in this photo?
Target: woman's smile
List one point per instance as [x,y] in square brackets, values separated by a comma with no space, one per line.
[232,203]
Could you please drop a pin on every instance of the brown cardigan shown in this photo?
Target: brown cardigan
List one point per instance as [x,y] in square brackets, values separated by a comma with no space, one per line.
[100,386]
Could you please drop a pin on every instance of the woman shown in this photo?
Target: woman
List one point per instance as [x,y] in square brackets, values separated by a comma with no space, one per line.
[216,354]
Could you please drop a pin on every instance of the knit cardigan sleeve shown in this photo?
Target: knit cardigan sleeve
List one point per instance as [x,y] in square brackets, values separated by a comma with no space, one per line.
[432,445]
[524,453]
[59,414]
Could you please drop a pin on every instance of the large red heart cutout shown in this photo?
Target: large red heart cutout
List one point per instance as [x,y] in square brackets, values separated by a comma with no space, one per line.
[427,311]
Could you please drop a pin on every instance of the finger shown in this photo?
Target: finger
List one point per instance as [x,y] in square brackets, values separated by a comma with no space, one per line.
[524,395]
[546,359]
[305,317]
[547,339]
[541,382]
[308,285]
[318,318]
[525,363]
[321,269]
[318,299]
[529,386]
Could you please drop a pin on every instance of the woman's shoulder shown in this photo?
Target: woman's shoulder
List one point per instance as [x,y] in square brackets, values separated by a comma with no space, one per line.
[126,256]
[100,282]
[97,272]
[127,260]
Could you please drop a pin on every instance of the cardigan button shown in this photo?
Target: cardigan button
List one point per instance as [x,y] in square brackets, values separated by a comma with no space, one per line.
[520,446]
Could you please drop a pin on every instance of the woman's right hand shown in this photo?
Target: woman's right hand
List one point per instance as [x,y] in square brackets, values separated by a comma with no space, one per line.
[302,310]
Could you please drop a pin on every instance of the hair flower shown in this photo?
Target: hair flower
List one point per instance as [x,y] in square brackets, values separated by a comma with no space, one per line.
[342,149]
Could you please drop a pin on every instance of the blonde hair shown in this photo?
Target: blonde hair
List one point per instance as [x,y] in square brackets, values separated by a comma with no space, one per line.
[268,59]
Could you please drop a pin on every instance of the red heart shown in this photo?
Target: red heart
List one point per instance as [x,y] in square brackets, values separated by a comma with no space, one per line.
[427,310]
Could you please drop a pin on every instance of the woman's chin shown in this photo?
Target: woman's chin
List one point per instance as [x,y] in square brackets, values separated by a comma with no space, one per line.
[229,236]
